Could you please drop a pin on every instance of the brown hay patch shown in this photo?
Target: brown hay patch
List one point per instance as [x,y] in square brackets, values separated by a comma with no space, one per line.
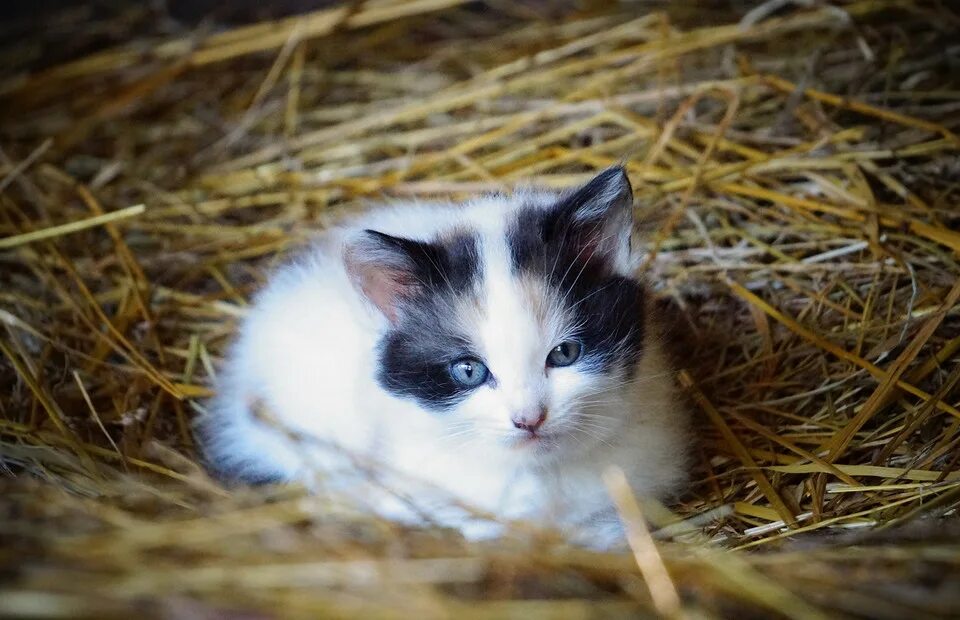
[799,173]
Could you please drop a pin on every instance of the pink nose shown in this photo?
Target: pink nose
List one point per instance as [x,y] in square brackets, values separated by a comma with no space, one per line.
[530,420]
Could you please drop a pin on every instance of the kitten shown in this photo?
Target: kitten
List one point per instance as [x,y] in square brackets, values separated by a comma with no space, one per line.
[499,353]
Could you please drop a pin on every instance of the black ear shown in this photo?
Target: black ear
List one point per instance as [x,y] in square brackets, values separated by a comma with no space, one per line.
[388,269]
[598,217]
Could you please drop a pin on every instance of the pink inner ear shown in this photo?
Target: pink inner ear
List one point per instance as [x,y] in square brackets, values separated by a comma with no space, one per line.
[383,287]
[381,284]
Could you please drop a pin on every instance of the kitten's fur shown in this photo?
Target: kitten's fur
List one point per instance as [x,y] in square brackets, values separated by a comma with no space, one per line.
[352,345]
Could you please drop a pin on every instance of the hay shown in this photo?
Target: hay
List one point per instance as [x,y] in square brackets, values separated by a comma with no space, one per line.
[798,172]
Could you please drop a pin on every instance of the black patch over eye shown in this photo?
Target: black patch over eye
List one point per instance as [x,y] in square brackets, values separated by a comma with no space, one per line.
[415,354]
[564,354]
[609,308]
[469,372]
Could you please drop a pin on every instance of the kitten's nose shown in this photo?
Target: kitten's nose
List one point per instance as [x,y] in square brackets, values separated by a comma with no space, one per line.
[530,420]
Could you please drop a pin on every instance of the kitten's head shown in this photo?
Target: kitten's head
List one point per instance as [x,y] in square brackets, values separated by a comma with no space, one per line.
[524,331]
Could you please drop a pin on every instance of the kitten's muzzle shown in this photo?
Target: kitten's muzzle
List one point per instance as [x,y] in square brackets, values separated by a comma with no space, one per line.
[530,420]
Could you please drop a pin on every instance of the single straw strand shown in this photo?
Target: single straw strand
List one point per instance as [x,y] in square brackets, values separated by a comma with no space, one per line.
[14,241]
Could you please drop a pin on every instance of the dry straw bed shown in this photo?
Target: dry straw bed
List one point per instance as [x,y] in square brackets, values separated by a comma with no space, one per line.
[797,168]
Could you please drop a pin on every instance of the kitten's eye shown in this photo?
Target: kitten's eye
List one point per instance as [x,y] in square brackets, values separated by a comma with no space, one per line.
[564,354]
[469,372]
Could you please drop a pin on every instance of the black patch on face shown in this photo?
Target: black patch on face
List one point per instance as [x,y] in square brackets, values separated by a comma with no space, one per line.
[551,244]
[415,355]
[448,266]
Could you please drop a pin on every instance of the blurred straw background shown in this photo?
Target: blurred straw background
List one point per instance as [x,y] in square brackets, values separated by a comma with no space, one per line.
[797,170]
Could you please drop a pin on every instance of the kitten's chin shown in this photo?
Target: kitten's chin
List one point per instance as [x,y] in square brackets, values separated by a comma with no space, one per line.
[547,445]
[539,446]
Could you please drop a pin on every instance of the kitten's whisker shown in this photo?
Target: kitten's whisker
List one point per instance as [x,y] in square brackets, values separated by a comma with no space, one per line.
[567,272]
[591,426]
[601,289]
[598,438]
[629,383]
[582,268]
[592,433]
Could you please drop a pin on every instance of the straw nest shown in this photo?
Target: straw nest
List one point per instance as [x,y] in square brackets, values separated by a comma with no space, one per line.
[797,171]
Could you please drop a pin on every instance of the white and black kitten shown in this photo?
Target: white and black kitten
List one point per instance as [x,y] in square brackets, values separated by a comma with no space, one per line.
[499,353]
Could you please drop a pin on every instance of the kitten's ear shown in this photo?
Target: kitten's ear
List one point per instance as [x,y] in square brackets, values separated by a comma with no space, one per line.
[386,269]
[600,214]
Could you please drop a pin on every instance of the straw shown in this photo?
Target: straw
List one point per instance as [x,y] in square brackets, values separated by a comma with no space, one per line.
[796,179]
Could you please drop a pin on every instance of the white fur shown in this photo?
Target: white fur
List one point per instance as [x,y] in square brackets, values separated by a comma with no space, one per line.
[307,354]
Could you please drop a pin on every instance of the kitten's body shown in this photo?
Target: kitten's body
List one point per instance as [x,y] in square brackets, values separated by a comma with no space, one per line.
[352,345]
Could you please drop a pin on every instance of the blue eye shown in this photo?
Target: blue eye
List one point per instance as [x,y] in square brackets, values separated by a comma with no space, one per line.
[469,372]
[564,354]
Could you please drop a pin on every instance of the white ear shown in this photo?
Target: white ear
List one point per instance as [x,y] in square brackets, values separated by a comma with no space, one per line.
[600,214]
[386,269]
